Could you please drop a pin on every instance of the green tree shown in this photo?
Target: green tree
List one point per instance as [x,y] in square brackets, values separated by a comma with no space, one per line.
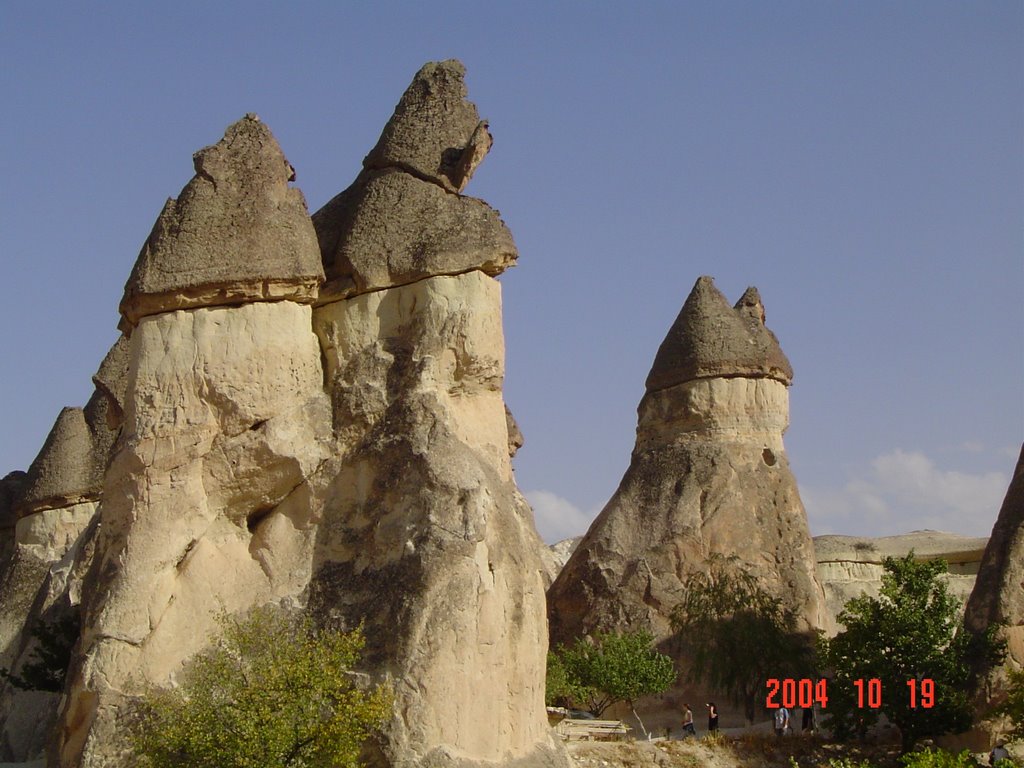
[736,635]
[613,667]
[272,692]
[47,666]
[910,633]
[1013,706]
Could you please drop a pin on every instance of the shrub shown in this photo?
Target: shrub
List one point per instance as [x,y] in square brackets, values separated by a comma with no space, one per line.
[938,758]
[272,691]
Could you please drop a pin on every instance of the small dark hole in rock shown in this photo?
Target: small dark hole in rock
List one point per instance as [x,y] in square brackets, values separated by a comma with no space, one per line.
[256,517]
[257,424]
[768,457]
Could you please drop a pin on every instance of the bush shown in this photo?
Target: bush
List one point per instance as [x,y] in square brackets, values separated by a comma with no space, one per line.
[1013,707]
[938,758]
[272,692]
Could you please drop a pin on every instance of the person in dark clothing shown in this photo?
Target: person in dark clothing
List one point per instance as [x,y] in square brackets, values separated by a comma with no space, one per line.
[808,723]
[712,716]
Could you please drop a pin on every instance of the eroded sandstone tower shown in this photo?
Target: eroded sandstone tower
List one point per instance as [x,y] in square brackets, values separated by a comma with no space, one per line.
[708,475]
[260,435]
[998,595]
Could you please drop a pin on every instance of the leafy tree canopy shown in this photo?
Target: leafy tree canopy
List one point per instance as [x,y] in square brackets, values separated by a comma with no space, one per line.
[613,667]
[272,692]
[737,635]
[910,632]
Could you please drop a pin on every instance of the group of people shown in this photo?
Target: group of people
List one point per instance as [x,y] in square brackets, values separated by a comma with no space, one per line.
[781,720]
[688,727]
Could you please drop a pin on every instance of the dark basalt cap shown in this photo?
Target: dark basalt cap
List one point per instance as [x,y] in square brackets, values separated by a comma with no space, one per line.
[709,339]
[64,471]
[390,228]
[404,218]
[435,132]
[236,233]
[12,486]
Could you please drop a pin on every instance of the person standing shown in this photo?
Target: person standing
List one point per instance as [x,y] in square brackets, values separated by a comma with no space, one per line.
[999,753]
[688,729]
[809,719]
[781,721]
[712,716]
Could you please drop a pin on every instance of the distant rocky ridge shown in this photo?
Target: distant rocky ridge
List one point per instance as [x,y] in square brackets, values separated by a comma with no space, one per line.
[850,566]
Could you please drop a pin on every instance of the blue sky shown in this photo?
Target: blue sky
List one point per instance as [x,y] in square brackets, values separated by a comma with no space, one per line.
[861,163]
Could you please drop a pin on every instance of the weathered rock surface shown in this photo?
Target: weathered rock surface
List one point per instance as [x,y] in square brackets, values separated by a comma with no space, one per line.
[236,233]
[709,338]
[205,506]
[33,597]
[556,556]
[998,594]
[375,487]
[709,475]
[402,219]
[436,132]
[851,566]
[425,536]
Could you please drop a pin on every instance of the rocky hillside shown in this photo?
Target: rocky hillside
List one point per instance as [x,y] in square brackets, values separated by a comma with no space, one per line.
[301,410]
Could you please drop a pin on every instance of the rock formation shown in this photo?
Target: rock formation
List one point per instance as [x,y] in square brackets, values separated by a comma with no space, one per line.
[48,514]
[205,505]
[708,475]
[425,537]
[850,566]
[254,439]
[237,233]
[998,594]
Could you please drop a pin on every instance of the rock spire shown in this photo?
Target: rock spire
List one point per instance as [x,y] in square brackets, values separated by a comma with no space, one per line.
[708,476]
[254,440]
[997,596]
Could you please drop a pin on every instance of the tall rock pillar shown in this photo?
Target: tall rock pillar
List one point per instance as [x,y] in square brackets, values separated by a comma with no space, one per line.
[998,594]
[205,506]
[425,537]
[708,475]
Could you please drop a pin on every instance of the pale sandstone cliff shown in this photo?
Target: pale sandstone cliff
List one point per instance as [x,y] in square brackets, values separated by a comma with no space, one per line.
[851,566]
[352,459]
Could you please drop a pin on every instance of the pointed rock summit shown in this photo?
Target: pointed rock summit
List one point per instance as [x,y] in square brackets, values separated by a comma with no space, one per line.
[709,338]
[436,132]
[403,219]
[237,233]
[708,476]
[997,596]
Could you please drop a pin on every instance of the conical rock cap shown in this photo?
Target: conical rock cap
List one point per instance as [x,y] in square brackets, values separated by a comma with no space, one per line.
[236,233]
[709,338]
[435,132]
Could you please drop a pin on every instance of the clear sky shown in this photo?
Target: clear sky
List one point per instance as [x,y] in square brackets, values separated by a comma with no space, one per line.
[861,163]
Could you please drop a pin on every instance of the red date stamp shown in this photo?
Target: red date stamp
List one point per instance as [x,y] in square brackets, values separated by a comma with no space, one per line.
[806,693]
